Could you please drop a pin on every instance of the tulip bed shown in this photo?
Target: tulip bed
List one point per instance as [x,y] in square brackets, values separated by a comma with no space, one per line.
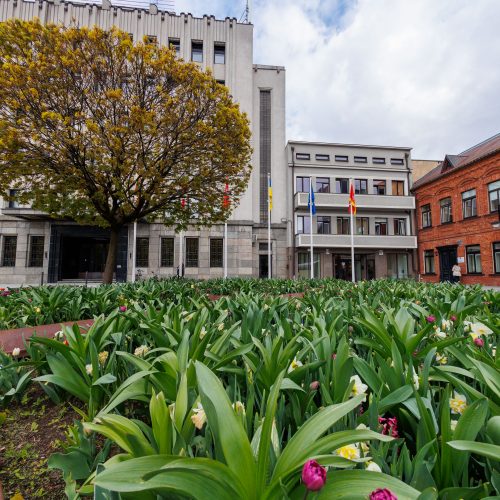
[381,390]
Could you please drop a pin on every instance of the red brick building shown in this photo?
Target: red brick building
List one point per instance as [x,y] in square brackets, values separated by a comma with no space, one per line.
[458,216]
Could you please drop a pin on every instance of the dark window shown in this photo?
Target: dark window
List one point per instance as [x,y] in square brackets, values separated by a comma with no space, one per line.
[360,159]
[398,188]
[302,156]
[167,252]
[265,152]
[9,251]
[264,247]
[175,44]
[324,224]
[323,184]
[131,36]
[151,40]
[469,206]
[221,82]
[36,251]
[343,225]
[496,256]
[360,186]
[378,161]
[445,209]
[303,224]
[494,196]
[473,253]
[397,161]
[379,187]
[142,252]
[302,184]
[323,157]
[197,51]
[400,227]
[426,216]
[342,158]
[429,261]
[342,186]
[216,252]
[362,225]
[219,55]
[13,203]
[381,227]
[192,252]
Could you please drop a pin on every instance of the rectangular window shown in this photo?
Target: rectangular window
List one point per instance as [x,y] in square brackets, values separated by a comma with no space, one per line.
[381,227]
[264,247]
[321,157]
[360,186]
[496,256]
[379,161]
[341,158]
[216,252]
[379,187]
[429,262]
[197,51]
[142,252]
[9,251]
[192,246]
[362,225]
[397,161]
[426,215]
[220,53]
[397,265]
[264,152]
[342,186]
[473,253]
[360,159]
[35,258]
[343,225]
[167,252]
[151,40]
[175,44]
[494,196]
[302,184]
[302,156]
[13,203]
[469,206]
[398,188]
[221,82]
[324,224]
[303,224]
[322,184]
[400,227]
[304,265]
[445,209]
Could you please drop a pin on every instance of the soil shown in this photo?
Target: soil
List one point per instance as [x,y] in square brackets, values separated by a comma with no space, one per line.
[33,429]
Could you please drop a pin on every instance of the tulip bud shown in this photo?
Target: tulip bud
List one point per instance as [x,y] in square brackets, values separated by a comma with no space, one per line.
[382,494]
[122,308]
[479,342]
[453,318]
[431,318]
[313,475]
[314,385]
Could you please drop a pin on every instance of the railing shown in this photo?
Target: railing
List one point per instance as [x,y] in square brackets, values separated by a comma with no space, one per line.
[360,241]
[331,200]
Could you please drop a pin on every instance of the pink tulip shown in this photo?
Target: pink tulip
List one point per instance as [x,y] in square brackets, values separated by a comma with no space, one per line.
[431,318]
[123,308]
[453,318]
[479,341]
[382,494]
[313,475]
[314,385]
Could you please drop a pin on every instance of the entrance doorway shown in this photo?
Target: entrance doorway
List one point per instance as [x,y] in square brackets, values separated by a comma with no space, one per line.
[447,257]
[83,257]
[342,267]
[264,267]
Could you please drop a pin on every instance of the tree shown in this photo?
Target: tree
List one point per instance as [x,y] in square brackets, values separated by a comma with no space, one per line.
[102,131]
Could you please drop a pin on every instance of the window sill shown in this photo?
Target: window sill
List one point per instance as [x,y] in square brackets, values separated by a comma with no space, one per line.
[429,274]
[446,223]
[426,227]
[473,274]
[469,218]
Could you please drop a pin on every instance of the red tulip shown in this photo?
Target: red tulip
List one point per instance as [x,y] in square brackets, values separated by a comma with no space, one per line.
[453,318]
[383,494]
[431,318]
[479,341]
[123,308]
[313,475]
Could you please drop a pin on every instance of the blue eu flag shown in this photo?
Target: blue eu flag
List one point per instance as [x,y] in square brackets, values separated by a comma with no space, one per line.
[310,199]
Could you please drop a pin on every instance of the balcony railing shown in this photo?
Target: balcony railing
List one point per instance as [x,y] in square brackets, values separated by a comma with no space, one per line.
[360,241]
[330,200]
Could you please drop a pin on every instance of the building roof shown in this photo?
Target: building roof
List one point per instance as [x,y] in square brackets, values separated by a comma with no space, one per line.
[451,163]
[367,146]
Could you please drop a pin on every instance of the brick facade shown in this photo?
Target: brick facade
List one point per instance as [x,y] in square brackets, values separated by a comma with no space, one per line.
[482,229]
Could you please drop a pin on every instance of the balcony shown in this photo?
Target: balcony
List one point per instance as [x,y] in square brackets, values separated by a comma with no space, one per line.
[363,201]
[360,241]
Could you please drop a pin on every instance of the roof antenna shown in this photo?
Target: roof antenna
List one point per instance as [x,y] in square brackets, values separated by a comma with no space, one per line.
[246,16]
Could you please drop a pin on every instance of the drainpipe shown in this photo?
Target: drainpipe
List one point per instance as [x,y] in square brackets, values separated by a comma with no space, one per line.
[293,212]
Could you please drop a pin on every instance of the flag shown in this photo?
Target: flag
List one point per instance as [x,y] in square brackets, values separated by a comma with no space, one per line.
[225,200]
[310,200]
[352,201]
[270,194]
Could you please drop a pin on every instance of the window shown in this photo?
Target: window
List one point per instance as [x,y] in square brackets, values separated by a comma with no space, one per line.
[473,253]
[494,196]
[142,252]
[220,53]
[445,208]
[397,161]
[360,186]
[167,252]
[151,40]
[9,251]
[264,247]
[13,203]
[342,158]
[302,156]
[429,262]
[379,161]
[192,245]
[343,225]
[381,227]
[216,252]
[321,157]
[496,256]
[175,44]
[426,216]
[469,207]
[265,148]
[362,225]
[304,265]
[197,51]
[400,227]
[378,187]
[323,184]
[324,224]
[221,82]
[303,224]
[398,188]
[342,186]
[360,159]
[35,258]
[397,265]
[302,184]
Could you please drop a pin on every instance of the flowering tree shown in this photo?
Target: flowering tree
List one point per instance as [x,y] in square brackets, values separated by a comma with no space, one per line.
[104,132]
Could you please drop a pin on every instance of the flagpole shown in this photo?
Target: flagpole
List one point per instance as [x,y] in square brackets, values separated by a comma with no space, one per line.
[134,243]
[353,274]
[269,207]
[181,249]
[225,250]
[311,227]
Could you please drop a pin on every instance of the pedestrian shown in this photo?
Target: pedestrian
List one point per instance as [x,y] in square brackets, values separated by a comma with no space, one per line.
[456,272]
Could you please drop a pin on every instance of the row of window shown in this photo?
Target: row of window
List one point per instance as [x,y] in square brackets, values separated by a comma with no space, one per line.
[472,258]
[469,205]
[362,225]
[35,251]
[323,185]
[345,159]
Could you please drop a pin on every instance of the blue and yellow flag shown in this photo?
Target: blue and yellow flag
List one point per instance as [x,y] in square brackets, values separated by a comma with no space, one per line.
[311,202]
[270,194]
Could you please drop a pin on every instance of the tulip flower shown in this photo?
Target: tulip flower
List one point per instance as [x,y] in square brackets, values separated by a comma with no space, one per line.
[314,385]
[313,475]
[458,403]
[453,318]
[431,318]
[16,352]
[199,418]
[382,494]
[358,387]
[141,351]
[122,308]
[89,369]
[479,342]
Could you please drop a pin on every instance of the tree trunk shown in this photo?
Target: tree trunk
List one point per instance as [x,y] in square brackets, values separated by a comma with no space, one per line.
[109,269]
